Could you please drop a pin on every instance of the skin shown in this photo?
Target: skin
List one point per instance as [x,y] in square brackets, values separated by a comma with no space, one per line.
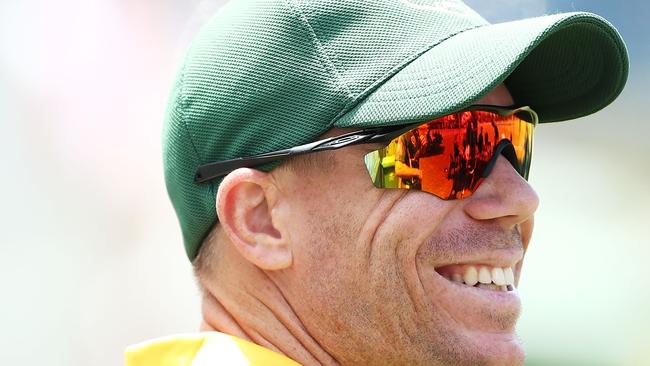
[318,264]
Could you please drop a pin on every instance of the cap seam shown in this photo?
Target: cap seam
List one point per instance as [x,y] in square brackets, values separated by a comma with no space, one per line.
[180,108]
[324,58]
[329,53]
[394,70]
[183,117]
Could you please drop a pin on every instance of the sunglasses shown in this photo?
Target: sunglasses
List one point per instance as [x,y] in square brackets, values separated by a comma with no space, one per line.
[448,157]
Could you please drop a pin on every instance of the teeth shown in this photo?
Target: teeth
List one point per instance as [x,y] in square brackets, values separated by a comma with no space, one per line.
[492,278]
[510,276]
[484,275]
[471,276]
[486,286]
[492,287]
[498,277]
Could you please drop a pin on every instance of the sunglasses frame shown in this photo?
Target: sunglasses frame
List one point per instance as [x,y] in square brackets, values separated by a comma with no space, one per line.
[210,171]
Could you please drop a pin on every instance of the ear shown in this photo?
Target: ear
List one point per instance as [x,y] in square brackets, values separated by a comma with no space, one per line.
[245,202]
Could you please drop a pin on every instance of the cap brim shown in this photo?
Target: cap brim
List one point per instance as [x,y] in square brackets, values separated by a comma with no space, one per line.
[564,66]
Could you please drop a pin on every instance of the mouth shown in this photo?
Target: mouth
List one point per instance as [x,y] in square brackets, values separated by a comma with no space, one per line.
[482,276]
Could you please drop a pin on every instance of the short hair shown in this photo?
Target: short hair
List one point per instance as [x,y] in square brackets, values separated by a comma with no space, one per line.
[207,257]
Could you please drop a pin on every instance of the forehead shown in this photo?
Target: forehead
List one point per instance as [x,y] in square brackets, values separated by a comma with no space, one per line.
[498,96]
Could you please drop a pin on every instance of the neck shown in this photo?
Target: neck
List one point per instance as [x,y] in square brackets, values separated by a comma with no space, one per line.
[243,301]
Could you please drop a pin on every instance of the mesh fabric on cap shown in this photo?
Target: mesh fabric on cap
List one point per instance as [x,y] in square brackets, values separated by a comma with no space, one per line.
[265,75]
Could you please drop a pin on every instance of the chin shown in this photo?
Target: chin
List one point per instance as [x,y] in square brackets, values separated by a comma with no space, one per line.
[503,349]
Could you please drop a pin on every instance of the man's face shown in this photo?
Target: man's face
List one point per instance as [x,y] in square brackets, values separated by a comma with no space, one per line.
[366,279]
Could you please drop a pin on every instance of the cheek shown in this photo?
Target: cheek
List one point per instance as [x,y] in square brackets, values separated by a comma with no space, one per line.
[331,218]
[325,211]
[413,219]
[338,195]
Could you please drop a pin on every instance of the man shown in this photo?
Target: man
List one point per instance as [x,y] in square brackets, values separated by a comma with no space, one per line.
[275,125]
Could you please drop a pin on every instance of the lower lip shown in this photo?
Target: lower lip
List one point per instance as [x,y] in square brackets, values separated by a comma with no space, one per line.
[492,295]
[469,296]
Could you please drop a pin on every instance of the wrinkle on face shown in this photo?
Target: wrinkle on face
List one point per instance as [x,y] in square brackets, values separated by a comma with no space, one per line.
[376,219]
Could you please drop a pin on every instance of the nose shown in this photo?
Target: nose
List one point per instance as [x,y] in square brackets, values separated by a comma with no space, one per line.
[504,196]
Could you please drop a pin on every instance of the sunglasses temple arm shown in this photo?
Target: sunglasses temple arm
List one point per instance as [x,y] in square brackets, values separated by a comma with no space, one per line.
[215,170]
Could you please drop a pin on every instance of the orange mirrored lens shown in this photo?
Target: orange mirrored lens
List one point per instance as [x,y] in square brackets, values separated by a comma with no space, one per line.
[450,156]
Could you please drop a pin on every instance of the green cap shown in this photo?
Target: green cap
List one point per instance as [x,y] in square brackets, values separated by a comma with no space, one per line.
[272,74]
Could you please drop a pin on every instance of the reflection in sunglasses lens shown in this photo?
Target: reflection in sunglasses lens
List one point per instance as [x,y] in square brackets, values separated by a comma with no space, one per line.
[449,156]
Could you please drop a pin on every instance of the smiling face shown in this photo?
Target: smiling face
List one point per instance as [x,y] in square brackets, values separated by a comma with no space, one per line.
[378,275]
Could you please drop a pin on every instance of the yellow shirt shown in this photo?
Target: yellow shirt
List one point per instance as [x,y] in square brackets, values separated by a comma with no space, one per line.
[203,349]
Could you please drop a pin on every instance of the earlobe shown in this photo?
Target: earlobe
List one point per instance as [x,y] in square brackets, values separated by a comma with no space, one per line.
[244,206]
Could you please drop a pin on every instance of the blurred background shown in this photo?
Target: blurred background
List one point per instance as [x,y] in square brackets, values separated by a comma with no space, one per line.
[91,258]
